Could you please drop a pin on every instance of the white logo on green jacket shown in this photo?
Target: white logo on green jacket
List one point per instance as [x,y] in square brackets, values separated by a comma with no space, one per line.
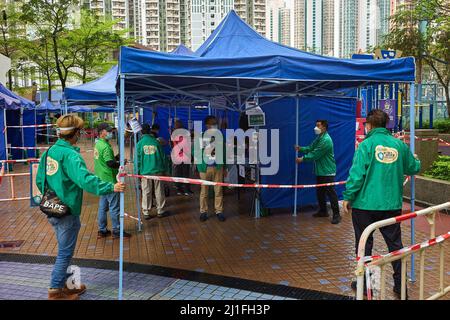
[52,166]
[386,154]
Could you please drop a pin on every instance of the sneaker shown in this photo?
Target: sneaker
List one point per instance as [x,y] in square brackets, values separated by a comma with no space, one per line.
[103,234]
[320,214]
[163,214]
[59,294]
[116,235]
[203,217]
[188,193]
[149,216]
[221,217]
[336,220]
[179,192]
[79,291]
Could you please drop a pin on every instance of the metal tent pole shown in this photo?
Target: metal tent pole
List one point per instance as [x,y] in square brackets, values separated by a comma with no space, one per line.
[412,117]
[297,104]
[6,139]
[138,196]
[121,125]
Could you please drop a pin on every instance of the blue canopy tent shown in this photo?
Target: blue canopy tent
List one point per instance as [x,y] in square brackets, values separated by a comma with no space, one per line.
[182,50]
[17,111]
[238,64]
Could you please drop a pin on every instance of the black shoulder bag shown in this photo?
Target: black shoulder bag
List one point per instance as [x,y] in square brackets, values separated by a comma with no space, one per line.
[50,204]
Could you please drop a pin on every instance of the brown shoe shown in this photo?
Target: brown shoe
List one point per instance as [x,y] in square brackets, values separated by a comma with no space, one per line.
[75,291]
[59,294]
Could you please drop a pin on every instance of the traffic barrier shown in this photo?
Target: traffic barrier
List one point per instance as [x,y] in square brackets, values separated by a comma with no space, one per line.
[11,176]
[31,126]
[373,267]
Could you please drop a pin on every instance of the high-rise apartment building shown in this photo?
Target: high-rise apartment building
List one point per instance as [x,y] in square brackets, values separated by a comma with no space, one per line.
[284,26]
[348,28]
[300,24]
[112,9]
[272,19]
[156,24]
[314,28]
[206,15]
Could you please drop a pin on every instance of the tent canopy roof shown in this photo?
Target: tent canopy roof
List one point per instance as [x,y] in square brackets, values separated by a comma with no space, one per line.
[18,100]
[183,50]
[98,91]
[47,106]
[236,51]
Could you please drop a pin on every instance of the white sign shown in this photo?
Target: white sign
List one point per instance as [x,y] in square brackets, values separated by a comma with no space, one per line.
[135,125]
[253,174]
[242,171]
[116,122]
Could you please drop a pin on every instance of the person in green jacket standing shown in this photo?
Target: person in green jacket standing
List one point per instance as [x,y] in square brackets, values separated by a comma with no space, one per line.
[66,174]
[211,167]
[321,152]
[151,160]
[106,168]
[374,189]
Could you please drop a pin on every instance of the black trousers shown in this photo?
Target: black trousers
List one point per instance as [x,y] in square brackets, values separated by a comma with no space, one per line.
[323,192]
[392,234]
[182,170]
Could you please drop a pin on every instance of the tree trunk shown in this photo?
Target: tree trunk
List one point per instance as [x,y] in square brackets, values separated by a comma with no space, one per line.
[447,98]
[10,79]
[49,83]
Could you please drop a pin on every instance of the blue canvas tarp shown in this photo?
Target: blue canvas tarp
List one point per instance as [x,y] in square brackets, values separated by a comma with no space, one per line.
[98,91]
[24,103]
[46,107]
[340,113]
[182,113]
[236,51]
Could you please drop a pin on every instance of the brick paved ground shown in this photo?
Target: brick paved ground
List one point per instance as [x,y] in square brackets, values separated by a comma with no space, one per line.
[25,281]
[300,251]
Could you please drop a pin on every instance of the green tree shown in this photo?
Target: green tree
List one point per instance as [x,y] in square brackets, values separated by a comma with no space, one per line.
[40,52]
[51,19]
[10,31]
[430,46]
[93,43]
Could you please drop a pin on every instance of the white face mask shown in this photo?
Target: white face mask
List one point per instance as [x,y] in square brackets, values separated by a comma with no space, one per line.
[317,131]
[214,126]
[109,136]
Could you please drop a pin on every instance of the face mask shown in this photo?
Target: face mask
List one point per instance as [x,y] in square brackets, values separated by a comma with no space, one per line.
[214,126]
[109,136]
[317,131]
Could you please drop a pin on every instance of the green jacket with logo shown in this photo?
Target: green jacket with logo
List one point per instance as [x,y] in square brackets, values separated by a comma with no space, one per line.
[150,158]
[68,176]
[103,152]
[376,177]
[321,151]
[199,157]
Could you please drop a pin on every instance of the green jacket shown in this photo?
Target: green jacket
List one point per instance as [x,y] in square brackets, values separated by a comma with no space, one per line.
[68,176]
[150,158]
[376,177]
[103,152]
[199,158]
[321,151]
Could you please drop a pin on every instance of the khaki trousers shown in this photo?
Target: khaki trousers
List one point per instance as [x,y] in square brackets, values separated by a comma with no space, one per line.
[147,195]
[216,175]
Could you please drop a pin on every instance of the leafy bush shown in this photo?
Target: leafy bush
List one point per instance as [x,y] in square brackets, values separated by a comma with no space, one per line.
[440,169]
[443,125]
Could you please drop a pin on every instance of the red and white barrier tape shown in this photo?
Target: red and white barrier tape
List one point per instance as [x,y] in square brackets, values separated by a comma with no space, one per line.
[30,148]
[131,217]
[31,126]
[20,160]
[224,184]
